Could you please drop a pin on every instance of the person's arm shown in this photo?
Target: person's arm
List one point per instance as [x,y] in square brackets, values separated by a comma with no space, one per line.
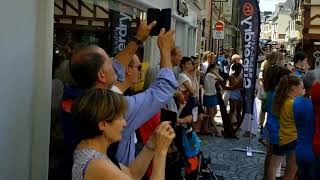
[164,136]
[155,148]
[238,85]
[160,91]
[139,166]
[185,120]
[166,43]
[188,86]
[124,56]
[218,77]
[142,106]
[104,170]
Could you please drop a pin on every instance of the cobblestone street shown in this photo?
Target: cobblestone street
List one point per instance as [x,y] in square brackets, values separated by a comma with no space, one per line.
[231,164]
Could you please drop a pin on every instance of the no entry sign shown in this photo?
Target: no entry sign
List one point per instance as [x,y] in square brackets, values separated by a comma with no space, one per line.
[219,26]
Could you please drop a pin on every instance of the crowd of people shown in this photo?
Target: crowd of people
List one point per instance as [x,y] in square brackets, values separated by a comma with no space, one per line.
[290,123]
[101,127]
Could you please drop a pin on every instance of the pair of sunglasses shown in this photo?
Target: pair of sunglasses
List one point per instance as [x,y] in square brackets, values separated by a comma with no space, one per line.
[138,67]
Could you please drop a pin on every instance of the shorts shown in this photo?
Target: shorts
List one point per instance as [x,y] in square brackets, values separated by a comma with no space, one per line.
[235,95]
[210,101]
[283,149]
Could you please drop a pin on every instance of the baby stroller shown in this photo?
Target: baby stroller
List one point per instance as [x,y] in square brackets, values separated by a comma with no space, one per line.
[191,163]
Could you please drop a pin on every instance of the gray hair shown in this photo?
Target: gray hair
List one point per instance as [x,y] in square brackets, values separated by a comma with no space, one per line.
[310,77]
[150,76]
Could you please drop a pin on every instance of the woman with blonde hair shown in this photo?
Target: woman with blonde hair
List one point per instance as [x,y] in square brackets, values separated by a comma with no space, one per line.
[98,116]
[289,87]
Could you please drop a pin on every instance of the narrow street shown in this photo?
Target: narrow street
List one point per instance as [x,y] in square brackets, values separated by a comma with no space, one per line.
[231,164]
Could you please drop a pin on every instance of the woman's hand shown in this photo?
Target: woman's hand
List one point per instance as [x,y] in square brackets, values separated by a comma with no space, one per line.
[185,120]
[180,96]
[164,135]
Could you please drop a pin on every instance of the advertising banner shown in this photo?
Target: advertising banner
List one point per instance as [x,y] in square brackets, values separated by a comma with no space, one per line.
[250,32]
[120,24]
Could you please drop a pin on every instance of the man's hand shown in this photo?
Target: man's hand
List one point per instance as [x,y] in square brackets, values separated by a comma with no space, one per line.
[144,30]
[166,41]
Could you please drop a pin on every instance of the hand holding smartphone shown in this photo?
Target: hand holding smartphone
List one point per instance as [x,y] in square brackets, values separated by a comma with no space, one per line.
[163,18]
[167,115]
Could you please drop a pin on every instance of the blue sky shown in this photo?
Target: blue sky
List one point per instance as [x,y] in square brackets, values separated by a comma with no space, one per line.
[268,5]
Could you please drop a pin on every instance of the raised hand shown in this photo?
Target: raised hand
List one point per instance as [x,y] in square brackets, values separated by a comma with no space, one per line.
[166,40]
[144,30]
[164,135]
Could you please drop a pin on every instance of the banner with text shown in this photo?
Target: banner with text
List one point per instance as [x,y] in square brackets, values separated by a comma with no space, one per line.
[250,32]
[120,24]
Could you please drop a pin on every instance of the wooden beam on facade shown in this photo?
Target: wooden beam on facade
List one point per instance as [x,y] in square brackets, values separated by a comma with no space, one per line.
[308,36]
[309,26]
[103,9]
[59,7]
[72,7]
[94,11]
[85,6]
[80,18]
[315,17]
[81,27]
[64,7]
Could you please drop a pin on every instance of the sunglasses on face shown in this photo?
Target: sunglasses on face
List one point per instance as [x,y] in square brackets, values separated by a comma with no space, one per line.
[138,67]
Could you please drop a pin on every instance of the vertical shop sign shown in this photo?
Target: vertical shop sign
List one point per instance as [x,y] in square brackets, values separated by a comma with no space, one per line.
[120,24]
[250,31]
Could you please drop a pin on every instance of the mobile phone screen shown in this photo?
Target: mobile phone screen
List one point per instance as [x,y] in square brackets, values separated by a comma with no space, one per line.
[167,115]
[154,14]
[166,19]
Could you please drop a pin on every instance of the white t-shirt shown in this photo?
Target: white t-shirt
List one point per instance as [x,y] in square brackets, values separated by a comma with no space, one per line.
[205,66]
[209,85]
[184,77]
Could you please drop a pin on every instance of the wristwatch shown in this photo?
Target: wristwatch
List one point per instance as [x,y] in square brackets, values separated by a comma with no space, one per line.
[137,41]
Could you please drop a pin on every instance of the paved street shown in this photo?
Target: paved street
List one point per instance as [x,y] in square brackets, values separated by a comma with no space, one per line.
[234,165]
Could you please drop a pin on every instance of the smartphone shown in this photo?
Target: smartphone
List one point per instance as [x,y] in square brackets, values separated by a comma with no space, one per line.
[167,115]
[166,19]
[154,14]
[163,18]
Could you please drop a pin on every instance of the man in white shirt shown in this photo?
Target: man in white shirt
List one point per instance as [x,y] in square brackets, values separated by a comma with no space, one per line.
[131,76]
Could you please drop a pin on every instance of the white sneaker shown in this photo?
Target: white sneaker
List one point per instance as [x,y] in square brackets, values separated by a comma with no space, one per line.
[278,174]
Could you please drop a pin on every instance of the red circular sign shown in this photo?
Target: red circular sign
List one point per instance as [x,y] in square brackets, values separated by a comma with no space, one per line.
[219,26]
[248,9]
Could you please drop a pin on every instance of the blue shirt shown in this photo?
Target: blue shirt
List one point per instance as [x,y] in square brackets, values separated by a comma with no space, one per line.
[304,119]
[300,73]
[272,121]
[141,107]
[220,60]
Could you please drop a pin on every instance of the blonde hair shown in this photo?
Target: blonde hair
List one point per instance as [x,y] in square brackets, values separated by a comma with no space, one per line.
[282,91]
[96,105]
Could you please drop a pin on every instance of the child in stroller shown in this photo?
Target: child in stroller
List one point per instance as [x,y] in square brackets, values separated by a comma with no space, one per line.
[189,162]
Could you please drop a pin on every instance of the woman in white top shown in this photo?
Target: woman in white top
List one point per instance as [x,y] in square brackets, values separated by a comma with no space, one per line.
[188,86]
[210,99]
[187,81]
